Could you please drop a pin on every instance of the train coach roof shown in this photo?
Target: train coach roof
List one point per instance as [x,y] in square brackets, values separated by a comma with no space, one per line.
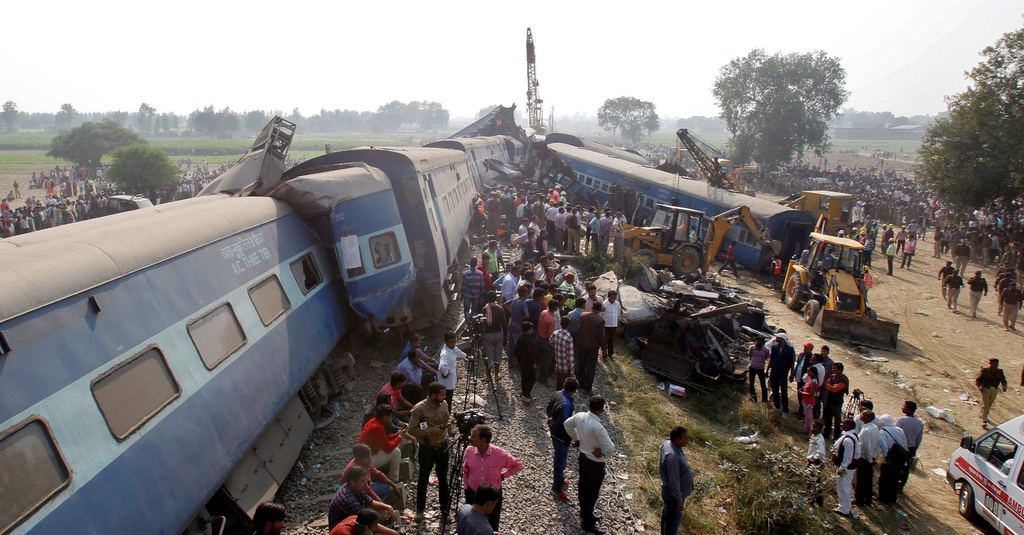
[467,142]
[692,188]
[576,141]
[45,266]
[419,157]
[325,187]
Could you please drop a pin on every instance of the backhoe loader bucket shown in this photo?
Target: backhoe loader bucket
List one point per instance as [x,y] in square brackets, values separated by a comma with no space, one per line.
[856,329]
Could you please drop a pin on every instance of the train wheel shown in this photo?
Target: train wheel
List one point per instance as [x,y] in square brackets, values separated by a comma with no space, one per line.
[647,256]
[791,293]
[685,262]
[811,310]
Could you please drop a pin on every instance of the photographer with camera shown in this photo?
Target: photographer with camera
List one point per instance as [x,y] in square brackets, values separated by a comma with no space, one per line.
[487,464]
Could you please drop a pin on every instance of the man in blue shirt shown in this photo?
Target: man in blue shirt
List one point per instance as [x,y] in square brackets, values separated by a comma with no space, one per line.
[676,480]
[559,409]
[518,313]
[472,291]
[413,368]
[780,364]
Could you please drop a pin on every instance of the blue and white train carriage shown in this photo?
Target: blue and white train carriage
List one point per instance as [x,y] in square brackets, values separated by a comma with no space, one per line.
[595,173]
[399,234]
[156,366]
[150,361]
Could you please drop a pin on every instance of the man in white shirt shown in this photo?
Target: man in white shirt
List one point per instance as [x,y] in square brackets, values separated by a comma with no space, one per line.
[509,285]
[447,369]
[846,450]
[595,448]
[868,436]
[913,430]
[612,311]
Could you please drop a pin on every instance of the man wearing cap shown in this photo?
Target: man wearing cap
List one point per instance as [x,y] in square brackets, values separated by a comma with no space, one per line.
[988,381]
[953,284]
[977,284]
[944,272]
[867,282]
[780,364]
[1010,300]
[961,255]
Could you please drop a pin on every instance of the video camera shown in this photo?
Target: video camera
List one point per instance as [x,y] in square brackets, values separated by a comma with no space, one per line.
[466,420]
[477,324]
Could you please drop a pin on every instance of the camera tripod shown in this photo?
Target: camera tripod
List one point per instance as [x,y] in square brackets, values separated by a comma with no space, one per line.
[476,351]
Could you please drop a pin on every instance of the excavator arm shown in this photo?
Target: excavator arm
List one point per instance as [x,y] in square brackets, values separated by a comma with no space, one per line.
[723,221]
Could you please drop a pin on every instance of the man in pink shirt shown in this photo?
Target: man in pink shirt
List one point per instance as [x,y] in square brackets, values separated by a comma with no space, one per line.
[485,463]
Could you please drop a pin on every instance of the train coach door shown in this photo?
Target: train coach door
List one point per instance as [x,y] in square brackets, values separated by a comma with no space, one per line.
[435,215]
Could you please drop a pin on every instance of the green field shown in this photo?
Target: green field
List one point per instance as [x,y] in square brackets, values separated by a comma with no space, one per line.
[24,153]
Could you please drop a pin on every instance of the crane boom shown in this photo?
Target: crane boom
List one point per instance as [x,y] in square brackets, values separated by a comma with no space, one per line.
[710,167]
[533,101]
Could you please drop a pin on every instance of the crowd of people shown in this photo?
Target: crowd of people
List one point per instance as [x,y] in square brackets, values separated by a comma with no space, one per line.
[831,411]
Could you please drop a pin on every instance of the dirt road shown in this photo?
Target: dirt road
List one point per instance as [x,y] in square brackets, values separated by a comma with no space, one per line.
[938,356]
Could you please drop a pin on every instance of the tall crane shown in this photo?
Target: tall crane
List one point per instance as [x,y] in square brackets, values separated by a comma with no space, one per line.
[533,101]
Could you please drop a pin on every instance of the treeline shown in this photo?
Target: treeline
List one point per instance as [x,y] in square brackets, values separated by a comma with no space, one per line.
[424,116]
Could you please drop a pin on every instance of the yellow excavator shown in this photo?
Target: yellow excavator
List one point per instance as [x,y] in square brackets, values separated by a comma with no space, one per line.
[673,237]
[827,286]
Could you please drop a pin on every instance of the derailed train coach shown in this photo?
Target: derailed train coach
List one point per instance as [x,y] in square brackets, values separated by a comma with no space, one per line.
[593,174]
[162,368]
[147,354]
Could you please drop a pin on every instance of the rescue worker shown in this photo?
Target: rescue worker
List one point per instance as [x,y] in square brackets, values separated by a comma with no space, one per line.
[867,282]
[776,271]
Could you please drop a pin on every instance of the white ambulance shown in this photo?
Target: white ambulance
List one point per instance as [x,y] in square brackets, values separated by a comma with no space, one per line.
[988,475]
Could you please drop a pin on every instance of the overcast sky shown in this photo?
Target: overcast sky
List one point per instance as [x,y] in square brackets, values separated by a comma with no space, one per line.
[901,56]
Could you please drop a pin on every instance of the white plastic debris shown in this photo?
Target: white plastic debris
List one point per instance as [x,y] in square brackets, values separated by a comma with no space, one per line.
[749,439]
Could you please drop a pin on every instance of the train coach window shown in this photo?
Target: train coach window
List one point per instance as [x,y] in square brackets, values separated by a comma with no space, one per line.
[385,250]
[269,299]
[33,471]
[217,335]
[306,273]
[134,391]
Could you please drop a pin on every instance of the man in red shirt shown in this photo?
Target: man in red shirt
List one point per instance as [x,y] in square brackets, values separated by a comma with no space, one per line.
[384,446]
[730,261]
[364,523]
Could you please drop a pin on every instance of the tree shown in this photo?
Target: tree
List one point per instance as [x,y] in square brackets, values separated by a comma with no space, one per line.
[632,118]
[138,168]
[10,117]
[778,106]
[390,116]
[118,117]
[65,117]
[145,119]
[255,120]
[973,156]
[86,144]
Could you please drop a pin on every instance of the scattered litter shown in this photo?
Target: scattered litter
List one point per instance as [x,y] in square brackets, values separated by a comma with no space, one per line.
[629,495]
[869,358]
[941,414]
[479,401]
[965,396]
[639,526]
[750,439]
[722,510]
[622,476]
[923,313]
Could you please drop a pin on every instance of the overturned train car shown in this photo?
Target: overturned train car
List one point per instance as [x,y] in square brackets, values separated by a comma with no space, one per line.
[159,367]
